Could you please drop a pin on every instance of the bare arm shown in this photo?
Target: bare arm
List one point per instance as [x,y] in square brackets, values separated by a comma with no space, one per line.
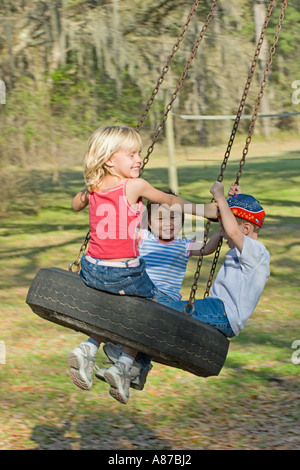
[141,188]
[203,210]
[210,246]
[81,200]
[228,219]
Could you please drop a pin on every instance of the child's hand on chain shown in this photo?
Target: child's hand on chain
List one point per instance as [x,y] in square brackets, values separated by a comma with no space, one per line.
[234,189]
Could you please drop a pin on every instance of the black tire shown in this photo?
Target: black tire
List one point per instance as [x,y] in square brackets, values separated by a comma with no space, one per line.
[171,337]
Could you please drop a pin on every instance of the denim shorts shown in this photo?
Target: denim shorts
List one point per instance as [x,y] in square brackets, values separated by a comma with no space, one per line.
[208,310]
[128,280]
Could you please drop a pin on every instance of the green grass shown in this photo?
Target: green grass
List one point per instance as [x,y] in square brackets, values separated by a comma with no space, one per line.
[252,404]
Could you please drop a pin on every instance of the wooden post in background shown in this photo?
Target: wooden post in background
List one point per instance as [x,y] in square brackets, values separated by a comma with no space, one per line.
[172,170]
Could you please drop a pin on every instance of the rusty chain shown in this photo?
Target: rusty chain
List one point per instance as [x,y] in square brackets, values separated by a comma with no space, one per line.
[81,252]
[261,91]
[189,308]
[190,304]
[179,84]
[245,92]
[250,133]
[167,66]
[165,69]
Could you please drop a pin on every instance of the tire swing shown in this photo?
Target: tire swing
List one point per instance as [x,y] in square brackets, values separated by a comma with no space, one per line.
[170,337]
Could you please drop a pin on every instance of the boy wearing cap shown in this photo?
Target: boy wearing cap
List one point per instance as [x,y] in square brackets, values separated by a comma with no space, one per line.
[246,269]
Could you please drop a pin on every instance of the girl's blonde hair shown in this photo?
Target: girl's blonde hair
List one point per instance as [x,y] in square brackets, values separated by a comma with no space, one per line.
[103,143]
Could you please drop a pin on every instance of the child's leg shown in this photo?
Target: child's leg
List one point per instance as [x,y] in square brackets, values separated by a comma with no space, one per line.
[94,345]
[82,361]
[118,375]
[208,310]
[140,368]
[95,340]
[127,357]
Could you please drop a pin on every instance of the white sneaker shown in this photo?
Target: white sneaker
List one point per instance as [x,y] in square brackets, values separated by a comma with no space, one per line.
[82,364]
[138,374]
[119,381]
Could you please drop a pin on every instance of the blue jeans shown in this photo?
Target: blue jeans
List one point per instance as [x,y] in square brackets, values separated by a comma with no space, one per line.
[129,280]
[207,310]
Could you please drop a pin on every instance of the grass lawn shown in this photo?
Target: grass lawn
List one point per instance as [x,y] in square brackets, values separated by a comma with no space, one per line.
[252,404]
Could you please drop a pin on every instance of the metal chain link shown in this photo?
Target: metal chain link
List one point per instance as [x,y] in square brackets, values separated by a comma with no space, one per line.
[261,91]
[165,69]
[167,66]
[251,128]
[179,84]
[189,308]
[81,252]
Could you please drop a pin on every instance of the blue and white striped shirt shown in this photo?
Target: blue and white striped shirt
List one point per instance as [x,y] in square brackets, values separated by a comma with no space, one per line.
[165,262]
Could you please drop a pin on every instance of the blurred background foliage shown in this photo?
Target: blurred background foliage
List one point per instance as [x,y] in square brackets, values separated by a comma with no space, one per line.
[70,66]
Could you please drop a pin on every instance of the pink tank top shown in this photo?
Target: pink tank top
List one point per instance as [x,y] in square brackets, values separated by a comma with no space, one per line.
[113,224]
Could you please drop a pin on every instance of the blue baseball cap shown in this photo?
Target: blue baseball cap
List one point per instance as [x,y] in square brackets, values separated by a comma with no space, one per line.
[246,207]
